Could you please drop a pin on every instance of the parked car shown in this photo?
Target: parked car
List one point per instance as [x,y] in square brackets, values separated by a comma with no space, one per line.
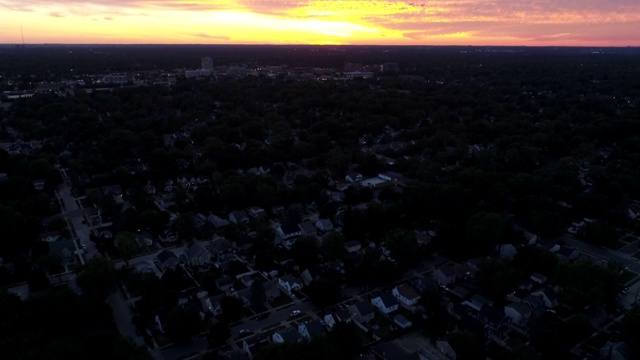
[294,313]
[245,332]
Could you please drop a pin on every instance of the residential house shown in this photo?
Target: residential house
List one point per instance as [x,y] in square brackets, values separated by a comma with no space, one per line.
[290,283]
[197,255]
[64,250]
[221,250]
[406,295]
[535,303]
[311,329]
[615,351]
[402,321]
[225,283]
[421,284]
[386,303]
[244,295]
[257,213]
[518,312]
[288,230]
[445,348]
[144,267]
[538,278]
[353,247]
[445,276]
[330,320]
[362,312]
[549,297]
[567,253]
[477,302]
[212,304]
[507,251]
[166,259]
[464,271]
[391,351]
[217,221]
[286,336]
[496,322]
[271,291]
[252,345]
[311,274]
[324,225]
[353,177]
[144,239]
[307,228]
[239,217]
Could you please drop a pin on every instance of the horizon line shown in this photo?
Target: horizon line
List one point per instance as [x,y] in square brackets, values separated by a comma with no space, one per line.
[317,45]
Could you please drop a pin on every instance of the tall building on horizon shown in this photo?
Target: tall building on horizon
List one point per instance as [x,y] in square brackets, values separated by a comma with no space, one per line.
[207,63]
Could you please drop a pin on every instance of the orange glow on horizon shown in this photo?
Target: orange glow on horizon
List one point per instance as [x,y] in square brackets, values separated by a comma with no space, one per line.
[439,22]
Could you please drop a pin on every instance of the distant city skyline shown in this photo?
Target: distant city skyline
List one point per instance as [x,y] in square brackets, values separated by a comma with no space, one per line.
[437,22]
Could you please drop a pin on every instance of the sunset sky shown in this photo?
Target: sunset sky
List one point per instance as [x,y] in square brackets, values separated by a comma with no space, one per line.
[422,22]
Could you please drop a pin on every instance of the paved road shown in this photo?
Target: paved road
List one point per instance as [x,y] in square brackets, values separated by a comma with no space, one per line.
[74,213]
[631,263]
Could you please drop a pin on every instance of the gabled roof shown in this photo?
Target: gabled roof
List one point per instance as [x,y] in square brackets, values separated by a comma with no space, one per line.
[448,271]
[306,227]
[388,300]
[290,336]
[492,315]
[314,328]
[407,292]
[364,308]
[521,308]
[166,255]
[195,250]
[289,228]
[58,246]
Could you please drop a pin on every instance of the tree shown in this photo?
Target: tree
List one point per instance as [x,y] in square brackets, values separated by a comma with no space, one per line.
[97,277]
[231,308]
[258,295]
[324,292]
[38,280]
[305,251]
[484,231]
[127,245]
[218,334]
[600,233]
[183,323]
[403,246]
[333,246]
[631,330]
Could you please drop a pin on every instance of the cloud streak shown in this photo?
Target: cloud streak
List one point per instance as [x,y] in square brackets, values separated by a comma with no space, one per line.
[535,21]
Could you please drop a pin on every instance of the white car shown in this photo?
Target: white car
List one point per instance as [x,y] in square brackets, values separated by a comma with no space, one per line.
[294,313]
[292,295]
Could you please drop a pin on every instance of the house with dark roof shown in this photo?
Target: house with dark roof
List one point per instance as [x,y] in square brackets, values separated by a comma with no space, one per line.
[535,303]
[445,275]
[362,312]
[352,246]
[307,228]
[290,283]
[286,336]
[311,329]
[239,217]
[311,274]
[64,250]
[405,295]
[496,322]
[518,312]
[402,321]
[197,255]
[386,303]
[252,345]
[166,259]
[288,230]
[221,250]
[548,295]
[324,225]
